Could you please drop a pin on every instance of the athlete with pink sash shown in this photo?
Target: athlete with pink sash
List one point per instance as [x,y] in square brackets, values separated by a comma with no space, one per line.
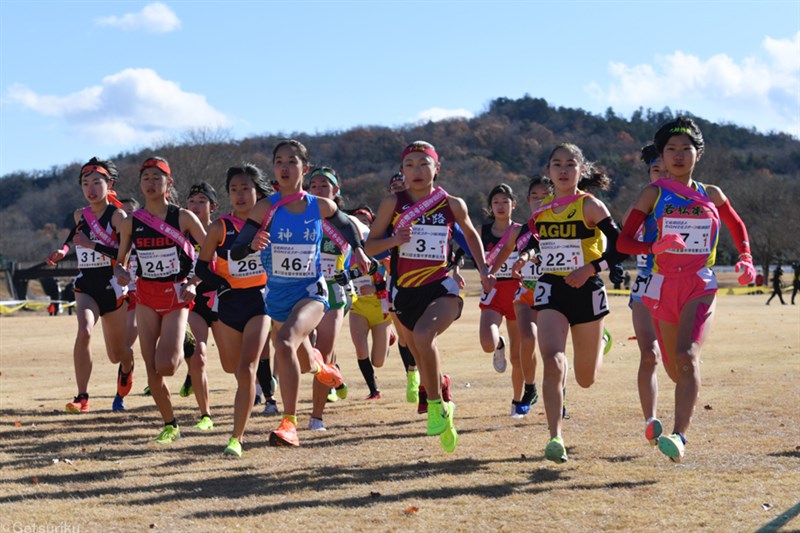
[419,222]
[165,295]
[97,293]
[681,291]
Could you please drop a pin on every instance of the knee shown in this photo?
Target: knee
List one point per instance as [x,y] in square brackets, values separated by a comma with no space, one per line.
[84,335]
[585,380]
[687,364]
[424,336]
[649,357]
[555,364]
[487,343]
[165,369]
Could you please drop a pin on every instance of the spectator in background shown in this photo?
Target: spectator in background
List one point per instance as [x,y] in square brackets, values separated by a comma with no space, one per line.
[777,285]
[795,279]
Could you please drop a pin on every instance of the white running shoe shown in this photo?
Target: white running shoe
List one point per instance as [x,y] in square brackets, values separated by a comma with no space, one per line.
[315,424]
[499,361]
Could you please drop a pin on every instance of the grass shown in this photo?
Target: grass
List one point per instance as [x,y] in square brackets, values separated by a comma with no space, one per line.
[376,470]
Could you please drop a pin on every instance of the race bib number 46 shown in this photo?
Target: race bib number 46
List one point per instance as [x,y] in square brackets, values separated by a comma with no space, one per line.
[696,233]
[561,255]
[427,242]
[293,260]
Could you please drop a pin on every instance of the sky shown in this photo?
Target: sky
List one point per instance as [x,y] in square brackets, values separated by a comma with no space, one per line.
[79,79]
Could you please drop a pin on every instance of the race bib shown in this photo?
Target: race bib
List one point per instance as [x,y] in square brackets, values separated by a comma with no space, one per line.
[505,270]
[362,283]
[158,263]
[88,258]
[696,233]
[599,301]
[427,242]
[327,263]
[531,271]
[639,286]
[486,298]
[652,287]
[561,255]
[247,267]
[541,295]
[293,260]
[641,261]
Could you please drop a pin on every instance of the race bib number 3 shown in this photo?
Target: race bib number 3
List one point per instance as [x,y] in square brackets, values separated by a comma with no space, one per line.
[158,263]
[696,233]
[427,242]
[561,255]
[88,258]
[293,260]
[247,267]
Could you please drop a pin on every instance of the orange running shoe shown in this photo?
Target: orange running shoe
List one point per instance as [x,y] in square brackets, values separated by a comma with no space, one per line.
[124,382]
[285,435]
[79,405]
[328,375]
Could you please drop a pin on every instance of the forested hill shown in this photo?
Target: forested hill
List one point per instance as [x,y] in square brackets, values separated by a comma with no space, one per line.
[507,143]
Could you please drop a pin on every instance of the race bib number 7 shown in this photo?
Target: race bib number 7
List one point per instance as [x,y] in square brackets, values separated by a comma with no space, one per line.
[696,233]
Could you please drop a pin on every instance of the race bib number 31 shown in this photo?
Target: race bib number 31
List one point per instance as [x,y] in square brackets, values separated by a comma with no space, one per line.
[696,233]
[88,258]
[293,260]
[427,242]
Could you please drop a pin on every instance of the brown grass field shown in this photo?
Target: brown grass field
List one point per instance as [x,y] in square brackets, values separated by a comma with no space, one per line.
[376,470]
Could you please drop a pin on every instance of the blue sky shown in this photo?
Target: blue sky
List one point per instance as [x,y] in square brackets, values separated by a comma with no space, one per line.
[79,79]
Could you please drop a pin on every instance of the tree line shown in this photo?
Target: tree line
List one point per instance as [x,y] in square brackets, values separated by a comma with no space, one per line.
[507,143]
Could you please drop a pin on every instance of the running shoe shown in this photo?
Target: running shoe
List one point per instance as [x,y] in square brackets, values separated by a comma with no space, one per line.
[521,409]
[186,388]
[233,449]
[412,386]
[79,405]
[169,434]
[315,424]
[124,382]
[652,430]
[331,398]
[285,435]
[499,361]
[556,451]
[326,374]
[449,437]
[342,390]
[564,405]
[530,397]
[146,391]
[514,413]
[189,344]
[271,408]
[374,395]
[446,397]
[609,341]
[118,405]
[437,419]
[672,446]
[422,404]
[205,424]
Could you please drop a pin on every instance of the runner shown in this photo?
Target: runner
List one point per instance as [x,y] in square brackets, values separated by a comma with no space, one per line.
[164,294]
[681,291]
[426,299]
[97,293]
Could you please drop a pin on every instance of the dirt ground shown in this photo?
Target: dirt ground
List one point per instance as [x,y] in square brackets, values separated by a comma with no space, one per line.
[376,470]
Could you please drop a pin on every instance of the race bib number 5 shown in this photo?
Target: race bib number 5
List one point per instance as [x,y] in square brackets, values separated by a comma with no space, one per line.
[293,260]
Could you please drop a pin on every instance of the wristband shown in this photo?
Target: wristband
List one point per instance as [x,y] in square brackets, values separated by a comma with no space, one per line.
[65,248]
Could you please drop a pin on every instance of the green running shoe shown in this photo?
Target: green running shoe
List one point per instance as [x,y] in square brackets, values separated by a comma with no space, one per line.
[449,437]
[332,396]
[412,386]
[186,388]
[437,421]
[556,451]
[146,391]
[205,424]
[233,449]
[169,434]
[342,390]
[671,446]
[609,341]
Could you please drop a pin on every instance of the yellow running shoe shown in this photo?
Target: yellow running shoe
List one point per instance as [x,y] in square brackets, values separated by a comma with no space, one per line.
[556,451]
[205,424]
[412,386]
[449,437]
[169,434]
[437,419]
[233,449]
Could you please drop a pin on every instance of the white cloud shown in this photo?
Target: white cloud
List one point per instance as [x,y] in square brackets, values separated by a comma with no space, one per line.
[435,114]
[762,90]
[134,105]
[154,18]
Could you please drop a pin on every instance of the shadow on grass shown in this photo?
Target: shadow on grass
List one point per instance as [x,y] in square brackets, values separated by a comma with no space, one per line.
[794,454]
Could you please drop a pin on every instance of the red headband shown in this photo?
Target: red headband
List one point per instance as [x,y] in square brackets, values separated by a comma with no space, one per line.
[365,213]
[160,164]
[88,169]
[424,148]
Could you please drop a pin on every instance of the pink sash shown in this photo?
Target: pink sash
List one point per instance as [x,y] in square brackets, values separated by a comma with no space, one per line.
[552,205]
[238,223]
[97,229]
[687,192]
[334,235]
[283,201]
[420,207]
[165,229]
[523,241]
[492,255]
